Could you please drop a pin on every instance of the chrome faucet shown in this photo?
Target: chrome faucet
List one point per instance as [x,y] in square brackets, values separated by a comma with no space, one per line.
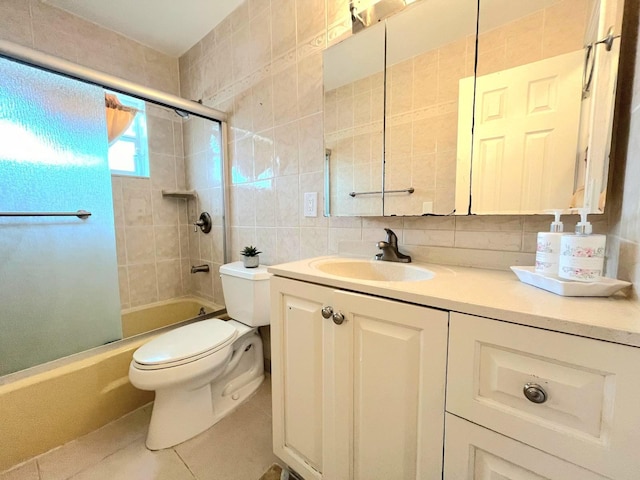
[389,249]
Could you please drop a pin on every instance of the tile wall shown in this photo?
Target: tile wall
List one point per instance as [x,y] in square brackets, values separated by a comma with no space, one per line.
[273,92]
[54,31]
[203,163]
[353,119]
[152,235]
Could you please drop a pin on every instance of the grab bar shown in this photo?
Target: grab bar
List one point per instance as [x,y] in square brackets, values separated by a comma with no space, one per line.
[407,190]
[83,214]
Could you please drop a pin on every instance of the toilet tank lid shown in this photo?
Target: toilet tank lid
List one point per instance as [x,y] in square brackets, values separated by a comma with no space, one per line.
[237,269]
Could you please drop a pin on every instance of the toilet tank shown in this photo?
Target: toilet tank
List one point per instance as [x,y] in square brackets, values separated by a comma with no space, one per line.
[246,293]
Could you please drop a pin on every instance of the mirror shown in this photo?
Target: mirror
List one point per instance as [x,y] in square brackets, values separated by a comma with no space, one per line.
[353,123]
[546,74]
[539,92]
[430,48]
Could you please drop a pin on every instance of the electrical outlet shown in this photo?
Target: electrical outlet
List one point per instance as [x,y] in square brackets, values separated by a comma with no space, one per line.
[311,204]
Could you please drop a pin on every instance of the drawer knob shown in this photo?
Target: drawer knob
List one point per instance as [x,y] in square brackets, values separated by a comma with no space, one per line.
[327,312]
[534,393]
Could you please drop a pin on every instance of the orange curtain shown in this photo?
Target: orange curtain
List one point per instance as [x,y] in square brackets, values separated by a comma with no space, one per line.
[119,117]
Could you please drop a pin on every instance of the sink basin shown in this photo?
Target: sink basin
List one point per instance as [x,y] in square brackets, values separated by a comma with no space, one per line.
[372,270]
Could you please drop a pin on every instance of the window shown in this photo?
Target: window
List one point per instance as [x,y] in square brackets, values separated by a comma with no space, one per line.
[129,155]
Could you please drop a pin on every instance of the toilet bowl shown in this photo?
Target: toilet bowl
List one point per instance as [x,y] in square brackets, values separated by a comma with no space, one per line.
[202,371]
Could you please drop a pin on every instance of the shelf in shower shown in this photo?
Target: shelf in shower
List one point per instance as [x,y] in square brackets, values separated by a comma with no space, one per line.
[179,193]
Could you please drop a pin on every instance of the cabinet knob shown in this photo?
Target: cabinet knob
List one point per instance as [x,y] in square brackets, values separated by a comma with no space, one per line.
[327,312]
[338,318]
[534,393]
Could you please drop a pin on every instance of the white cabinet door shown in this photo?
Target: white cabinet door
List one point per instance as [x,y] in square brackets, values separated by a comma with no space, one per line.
[396,387]
[296,349]
[363,399]
[475,453]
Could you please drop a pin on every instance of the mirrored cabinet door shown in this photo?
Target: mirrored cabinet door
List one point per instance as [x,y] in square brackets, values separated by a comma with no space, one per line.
[542,85]
[353,123]
[430,53]
[417,125]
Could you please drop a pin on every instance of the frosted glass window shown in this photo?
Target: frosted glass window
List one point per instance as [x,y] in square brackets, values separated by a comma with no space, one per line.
[129,155]
[58,276]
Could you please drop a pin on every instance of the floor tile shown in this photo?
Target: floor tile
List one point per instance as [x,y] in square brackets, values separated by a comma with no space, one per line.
[75,456]
[239,447]
[135,462]
[262,398]
[28,471]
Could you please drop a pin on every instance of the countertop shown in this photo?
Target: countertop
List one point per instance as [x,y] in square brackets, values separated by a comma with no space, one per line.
[493,294]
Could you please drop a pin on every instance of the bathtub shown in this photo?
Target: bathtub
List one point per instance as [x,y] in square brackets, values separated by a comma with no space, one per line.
[51,404]
[162,314]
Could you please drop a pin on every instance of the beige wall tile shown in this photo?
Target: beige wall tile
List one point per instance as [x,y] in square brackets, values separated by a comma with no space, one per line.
[285,103]
[502,241]
[287,201]
[167,242]
[310,19]
[286,150]
[143,285]
[437,238]
[137,201]
[288,244]
[168,272]
[140,244]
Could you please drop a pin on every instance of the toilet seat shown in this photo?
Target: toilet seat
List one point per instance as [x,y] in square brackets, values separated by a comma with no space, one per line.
[185,344]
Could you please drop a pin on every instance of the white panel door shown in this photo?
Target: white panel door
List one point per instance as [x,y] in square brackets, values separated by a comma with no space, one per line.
[398,381]
[297,343]
[526,136]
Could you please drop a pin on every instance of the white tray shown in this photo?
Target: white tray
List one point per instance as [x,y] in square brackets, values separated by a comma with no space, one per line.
[602,288]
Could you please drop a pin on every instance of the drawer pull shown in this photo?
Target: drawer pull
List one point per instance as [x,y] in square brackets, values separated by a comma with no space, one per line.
[534,393]
[327,312]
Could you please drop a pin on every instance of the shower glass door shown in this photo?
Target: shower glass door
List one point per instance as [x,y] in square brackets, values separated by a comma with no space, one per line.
[58,275]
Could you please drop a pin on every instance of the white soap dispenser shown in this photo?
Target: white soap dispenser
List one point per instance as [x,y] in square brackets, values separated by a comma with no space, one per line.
[582,254]
[548,246]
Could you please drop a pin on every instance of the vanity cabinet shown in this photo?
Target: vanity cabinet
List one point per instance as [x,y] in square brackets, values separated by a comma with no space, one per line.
[572,397]
[360,394]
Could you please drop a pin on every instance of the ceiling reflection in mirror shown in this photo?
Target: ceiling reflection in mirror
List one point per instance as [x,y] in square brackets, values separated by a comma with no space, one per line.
[534,146]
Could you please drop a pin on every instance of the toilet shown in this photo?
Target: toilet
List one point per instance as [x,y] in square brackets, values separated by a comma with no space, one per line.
[202,371]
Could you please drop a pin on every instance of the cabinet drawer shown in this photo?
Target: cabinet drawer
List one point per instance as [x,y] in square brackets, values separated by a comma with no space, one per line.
[588,389]
[475,453]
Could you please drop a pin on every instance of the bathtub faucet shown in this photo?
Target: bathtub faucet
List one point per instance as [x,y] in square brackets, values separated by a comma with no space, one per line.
[200,268]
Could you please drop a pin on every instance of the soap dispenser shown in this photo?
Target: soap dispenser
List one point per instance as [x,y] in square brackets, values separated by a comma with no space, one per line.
[548,246]
[582,254]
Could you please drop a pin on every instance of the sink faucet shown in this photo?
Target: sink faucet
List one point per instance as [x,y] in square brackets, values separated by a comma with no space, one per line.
[389,249]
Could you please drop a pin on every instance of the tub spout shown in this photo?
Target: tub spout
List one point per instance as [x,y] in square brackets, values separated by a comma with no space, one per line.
[200,268]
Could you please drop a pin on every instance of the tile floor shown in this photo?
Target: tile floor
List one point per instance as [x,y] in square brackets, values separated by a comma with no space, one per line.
[236,448]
